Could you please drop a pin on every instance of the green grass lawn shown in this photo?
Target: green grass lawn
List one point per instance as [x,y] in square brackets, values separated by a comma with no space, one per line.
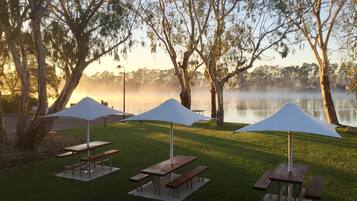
[235,162]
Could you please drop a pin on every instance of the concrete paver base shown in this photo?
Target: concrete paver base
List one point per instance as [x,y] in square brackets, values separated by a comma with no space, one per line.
[274,197]
[97,172]
[167,193]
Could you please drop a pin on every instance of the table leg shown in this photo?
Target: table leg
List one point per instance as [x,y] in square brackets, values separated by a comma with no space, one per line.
[158,185]
[289,196]
[279,187]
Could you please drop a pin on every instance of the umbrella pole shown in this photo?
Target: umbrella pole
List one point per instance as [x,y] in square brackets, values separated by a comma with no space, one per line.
[290,161]
[88,138]
[171,143]
[290,152]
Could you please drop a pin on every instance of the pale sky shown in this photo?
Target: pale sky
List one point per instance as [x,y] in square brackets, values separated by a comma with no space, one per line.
[140,57]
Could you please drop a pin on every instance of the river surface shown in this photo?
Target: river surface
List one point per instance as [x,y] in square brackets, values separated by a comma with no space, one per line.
[240,106]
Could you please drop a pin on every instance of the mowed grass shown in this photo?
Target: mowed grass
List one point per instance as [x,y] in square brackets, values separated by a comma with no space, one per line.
[235,162]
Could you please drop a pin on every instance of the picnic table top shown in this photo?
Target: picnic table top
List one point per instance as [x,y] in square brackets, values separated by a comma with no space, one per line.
[197,110]
[165,167]
[280,173]
[84,147]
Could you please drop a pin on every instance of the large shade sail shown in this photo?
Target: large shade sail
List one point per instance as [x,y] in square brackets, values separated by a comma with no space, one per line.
[171,112]
[292,118]
[86,109]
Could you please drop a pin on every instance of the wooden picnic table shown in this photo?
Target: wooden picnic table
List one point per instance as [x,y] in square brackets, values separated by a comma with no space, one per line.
[165,167]
[198,111]
[293,179]
[84,146]
[280,173]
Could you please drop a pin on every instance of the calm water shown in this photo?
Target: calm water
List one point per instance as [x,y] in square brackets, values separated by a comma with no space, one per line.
[245,107]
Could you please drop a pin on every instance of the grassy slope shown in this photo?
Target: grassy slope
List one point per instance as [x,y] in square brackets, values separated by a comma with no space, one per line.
[235,162]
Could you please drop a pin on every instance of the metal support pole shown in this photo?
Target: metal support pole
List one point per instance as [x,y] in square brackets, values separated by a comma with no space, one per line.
[290,162]
[124,94]
[290,152]
[88,138]
[171,143]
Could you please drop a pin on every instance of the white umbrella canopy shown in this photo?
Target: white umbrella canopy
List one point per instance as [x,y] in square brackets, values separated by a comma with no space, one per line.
[292,118]
[87,109]
[172,112]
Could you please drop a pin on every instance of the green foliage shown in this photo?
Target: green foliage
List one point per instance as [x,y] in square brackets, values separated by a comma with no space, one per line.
[10,103]
[98,30]
[351,77]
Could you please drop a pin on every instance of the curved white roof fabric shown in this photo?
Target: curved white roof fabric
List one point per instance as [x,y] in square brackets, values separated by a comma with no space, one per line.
[170,111]
[87,109]
[292,118]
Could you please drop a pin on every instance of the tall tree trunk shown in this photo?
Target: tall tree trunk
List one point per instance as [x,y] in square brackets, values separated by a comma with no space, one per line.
[213,102]
[330,112]
[27,138]
[18,52]
[22,71]
[3,136]
[220,109]
[37,10]
[185,82]
[185,96]
[41,126]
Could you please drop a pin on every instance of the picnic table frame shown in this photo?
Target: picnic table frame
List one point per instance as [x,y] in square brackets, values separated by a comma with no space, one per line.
[165,167]
[80,148]
[198,111]
[294,178]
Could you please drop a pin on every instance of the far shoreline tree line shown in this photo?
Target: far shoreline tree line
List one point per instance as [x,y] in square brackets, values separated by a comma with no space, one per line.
[224,38]
[304,77]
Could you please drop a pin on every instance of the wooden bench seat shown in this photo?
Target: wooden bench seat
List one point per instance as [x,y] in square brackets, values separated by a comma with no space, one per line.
[176,183]
[263,183]
[314,190]
[101,155]
[139,179]
[99,158]
[65,154]
[68,165]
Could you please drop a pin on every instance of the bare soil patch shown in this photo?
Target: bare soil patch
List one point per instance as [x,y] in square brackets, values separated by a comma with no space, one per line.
[51,145]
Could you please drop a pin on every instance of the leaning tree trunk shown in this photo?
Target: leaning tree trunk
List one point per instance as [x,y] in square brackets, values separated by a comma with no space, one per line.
[3,136]
[220,109]
[330,112]
[213,102]
[41,126]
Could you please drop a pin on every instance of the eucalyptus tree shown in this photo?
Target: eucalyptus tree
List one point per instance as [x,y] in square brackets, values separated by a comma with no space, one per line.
[238,34]
[13,16]
[69,35]
[316,21]
[175,26]
[80,33]
[348,30]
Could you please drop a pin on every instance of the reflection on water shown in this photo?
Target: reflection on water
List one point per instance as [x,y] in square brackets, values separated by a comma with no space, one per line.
[242,106]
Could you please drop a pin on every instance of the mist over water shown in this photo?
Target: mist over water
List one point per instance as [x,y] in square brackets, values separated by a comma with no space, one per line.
[240,106]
